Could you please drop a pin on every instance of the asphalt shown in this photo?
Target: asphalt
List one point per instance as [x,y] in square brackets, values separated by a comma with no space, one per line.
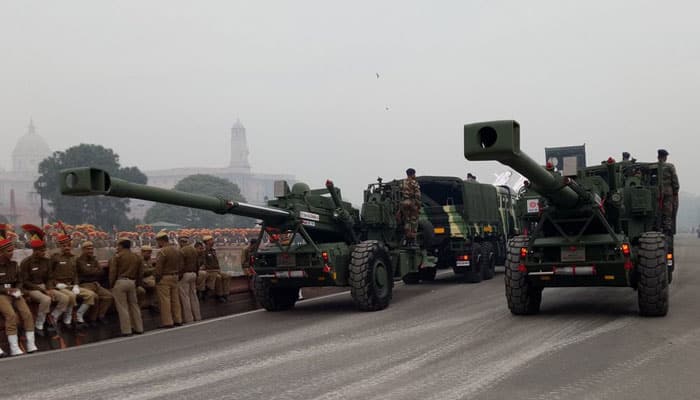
[443,340]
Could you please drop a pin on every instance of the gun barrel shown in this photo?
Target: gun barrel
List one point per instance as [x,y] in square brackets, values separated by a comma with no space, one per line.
[92,181]
[500,141]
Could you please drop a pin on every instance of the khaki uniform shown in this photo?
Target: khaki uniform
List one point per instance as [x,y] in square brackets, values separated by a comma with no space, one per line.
[168,266]
[410,206]
[147,293]
[63,270]
[669,197]
[89,274]
[125,274]
[215,280]
[188,285]
[10,279]
[34,273]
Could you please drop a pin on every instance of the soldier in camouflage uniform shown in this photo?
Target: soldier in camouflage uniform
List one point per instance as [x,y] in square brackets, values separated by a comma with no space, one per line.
[669,194]
[410,206]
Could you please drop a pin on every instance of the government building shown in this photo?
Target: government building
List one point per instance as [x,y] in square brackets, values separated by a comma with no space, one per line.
[20,203]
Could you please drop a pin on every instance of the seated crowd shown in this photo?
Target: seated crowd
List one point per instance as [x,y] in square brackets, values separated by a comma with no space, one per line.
[81,293]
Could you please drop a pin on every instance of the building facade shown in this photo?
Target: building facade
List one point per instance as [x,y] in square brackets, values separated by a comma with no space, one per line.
[255,187]
[19,201]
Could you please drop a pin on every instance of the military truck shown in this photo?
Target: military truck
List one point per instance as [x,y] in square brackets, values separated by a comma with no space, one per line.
[599,227]
[471,224]
[310,237]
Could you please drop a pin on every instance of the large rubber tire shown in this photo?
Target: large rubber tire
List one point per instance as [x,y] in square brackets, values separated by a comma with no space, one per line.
[652,286]
[522,297]
[426,234]
[475,275]
[274,298]
[371,278]
[428,274]
[488,260]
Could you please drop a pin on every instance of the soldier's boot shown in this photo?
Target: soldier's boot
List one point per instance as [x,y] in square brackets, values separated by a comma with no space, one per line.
[39,322]
[68,316]
[14,345]
[81,313]
[31,345]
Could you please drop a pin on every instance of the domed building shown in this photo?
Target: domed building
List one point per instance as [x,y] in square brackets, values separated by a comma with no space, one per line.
[19,202]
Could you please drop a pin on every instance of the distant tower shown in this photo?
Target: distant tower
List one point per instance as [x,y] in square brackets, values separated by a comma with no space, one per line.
[239,148]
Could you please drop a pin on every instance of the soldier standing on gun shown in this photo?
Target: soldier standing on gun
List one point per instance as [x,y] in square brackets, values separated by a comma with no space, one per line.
[410,206]
[188,281]
[669,194]
[90,273]
[168,266]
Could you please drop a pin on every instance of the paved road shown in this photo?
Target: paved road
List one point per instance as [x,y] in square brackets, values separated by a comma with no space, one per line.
[437,341]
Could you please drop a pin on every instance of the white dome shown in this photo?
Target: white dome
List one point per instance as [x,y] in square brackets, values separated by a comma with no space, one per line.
[30,150]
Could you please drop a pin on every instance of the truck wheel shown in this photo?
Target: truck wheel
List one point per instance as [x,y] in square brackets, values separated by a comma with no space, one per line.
[275,298]
[370,276]
[523,298]
[474,275]
[428,274]
[652,288]
[488,260]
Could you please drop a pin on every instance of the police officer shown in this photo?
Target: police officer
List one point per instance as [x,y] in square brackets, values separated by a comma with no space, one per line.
[215,279]
[246,264]
[90,273]
[669,193]
[146,293]
[12,302]
[34,272]
[125,274]
[63,276]
[410,206]
[188,281]
[168,265]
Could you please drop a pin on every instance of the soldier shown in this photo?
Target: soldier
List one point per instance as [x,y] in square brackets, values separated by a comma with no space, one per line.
[470,177]
[669,194]
[202,273]
[146,293]
[188,281]
[168,266]
[216,281]
[34,273]
[246,255]
[11,299]
[63,276]
[89,274]
[625,156]
[410,206]
[125,274]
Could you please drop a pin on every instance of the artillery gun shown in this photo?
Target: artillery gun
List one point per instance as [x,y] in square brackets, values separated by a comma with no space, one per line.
[309,237]
[596,228]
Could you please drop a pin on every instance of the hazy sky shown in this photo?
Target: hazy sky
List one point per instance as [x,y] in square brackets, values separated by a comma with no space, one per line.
[161,82]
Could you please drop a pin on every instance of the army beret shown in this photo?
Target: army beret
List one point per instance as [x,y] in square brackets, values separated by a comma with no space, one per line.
[410,171]
[207,238]
[162,235]
[88,244]
[663,153]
